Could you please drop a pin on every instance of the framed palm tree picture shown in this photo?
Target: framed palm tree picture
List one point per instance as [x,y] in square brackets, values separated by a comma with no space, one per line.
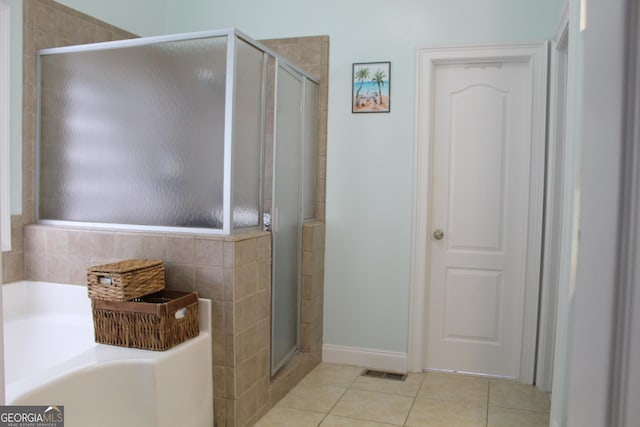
[371,87]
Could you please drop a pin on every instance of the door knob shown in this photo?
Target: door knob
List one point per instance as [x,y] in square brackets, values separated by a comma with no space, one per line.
[438,234]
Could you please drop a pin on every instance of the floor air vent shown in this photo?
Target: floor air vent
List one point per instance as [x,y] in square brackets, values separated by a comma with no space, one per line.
[384,375]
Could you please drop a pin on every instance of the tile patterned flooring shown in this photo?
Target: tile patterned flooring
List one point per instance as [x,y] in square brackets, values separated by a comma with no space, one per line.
[337,395]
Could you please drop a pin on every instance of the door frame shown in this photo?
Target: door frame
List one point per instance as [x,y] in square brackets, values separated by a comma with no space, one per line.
[535,55]
[603,307]
[557,196]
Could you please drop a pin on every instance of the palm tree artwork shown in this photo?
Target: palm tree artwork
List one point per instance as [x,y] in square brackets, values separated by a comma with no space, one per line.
[378,79]
[371,87]
[361,75]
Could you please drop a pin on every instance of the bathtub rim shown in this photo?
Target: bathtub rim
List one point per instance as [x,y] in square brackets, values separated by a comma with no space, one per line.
[24,291]
[96,356]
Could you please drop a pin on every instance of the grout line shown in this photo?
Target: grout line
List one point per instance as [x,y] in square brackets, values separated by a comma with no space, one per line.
[486,419]
[520,409]
[406,419]
[322,420]
[326,414]
[347,388]
[334,405]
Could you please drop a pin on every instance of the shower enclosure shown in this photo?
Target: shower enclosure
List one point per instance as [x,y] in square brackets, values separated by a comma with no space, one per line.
[206,133]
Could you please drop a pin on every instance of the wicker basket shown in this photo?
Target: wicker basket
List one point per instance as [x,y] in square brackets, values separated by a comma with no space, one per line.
[125,280]
[154,322]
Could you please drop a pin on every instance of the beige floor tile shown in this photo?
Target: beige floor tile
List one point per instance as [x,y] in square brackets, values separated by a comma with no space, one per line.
[287,417]
[335,395]
[506,417]
[333,374]
[371,406]
[312,397]
[454,388]
[408,387]
[440,413]
[334,421]
[508,394]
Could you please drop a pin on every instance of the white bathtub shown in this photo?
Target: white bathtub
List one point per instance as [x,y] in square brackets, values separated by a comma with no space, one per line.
[52,359]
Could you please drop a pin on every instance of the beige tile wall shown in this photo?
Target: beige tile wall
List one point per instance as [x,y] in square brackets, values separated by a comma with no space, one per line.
[233,271]
[312,55]
[268,392]
[13,261]
[311,313]
[46,24]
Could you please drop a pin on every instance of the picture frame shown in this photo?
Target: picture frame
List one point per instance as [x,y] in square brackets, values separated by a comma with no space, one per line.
[371,87]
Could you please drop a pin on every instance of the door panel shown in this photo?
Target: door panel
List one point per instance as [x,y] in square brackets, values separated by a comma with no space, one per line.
[478,113]
[472,305]
[481,117]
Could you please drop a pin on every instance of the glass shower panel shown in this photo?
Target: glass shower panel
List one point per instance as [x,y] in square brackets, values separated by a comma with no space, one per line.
[287,219]
[134,134]
[268,140]
[310,149]
[248,125]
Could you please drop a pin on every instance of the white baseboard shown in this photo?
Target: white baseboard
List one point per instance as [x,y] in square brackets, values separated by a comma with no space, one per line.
[367,358]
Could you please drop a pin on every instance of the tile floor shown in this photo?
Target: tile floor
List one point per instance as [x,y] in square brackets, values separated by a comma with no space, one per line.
[337,395]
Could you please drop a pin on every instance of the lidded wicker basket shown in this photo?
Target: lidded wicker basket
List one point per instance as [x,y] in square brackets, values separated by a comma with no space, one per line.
[125,280]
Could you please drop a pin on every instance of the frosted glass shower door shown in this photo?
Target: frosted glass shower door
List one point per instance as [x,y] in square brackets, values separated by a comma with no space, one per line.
[287,220]
[134,134]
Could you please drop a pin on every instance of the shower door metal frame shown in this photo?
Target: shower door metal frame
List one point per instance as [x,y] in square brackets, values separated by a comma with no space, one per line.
[232,36]
[276,365]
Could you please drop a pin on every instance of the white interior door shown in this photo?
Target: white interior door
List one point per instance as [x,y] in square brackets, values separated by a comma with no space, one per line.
[482,229]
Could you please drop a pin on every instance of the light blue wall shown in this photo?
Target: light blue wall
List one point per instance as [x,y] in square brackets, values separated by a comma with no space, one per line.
[370,156]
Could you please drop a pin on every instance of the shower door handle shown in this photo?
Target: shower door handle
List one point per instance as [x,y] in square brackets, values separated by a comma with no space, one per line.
[438,234]
[266,221]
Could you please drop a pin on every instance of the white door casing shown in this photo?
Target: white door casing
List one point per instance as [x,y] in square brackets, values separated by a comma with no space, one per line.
[557,208]
[528,61]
